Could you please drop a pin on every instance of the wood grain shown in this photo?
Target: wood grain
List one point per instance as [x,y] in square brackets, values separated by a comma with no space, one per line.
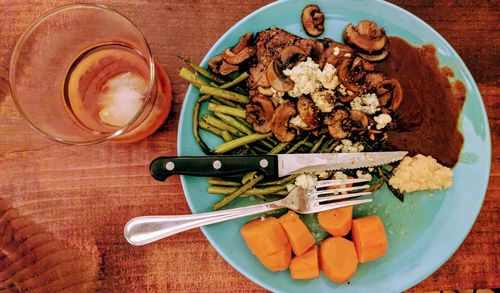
[62,208]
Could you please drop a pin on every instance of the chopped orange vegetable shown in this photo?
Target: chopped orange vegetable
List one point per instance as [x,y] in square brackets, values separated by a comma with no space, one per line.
[264,236]
[278,261]
[298,235]
[369,238]
[305,266]
[337,222]
[338,259]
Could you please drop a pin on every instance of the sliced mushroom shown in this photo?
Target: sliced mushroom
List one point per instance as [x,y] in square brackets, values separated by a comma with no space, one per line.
[290,56]
[277,79]
[366,36]
[351,73]
[260,113]
[280,122]
[374,58]
[218,65]
[308,112]
[313,20]
[390,94]
[338,124]
[359,120]
[373,80]
[334,54]
[245,41]
[238,58]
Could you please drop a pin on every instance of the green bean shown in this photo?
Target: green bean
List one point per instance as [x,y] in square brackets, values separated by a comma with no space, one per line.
[317,145]
[226,136]
[211,128]
[226,200]
[266,144]
[326,145]
[308,144]
[249,176]
[278,148]
[297,145]
[197,137]
[225,190]
[191,77]
[282,181]
[231,145]
[259,149]
[221,125]
[233,122]
[227,110]
[203,71]
[330,148]
[218,100]
[235,81]
[225,94]
[244,122]
[222,182]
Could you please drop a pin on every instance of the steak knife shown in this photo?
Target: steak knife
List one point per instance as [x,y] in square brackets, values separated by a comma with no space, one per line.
[271,165]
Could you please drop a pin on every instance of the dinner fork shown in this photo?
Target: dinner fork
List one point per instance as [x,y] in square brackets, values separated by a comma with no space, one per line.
[147,229]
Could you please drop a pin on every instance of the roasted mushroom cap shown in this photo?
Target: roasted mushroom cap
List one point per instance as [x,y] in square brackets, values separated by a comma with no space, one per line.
[374,58]
[280,122]
[218,65]
[290,56]
[351,73]
[308,112]
[373,80]
[287,58]
[313,20]
[390,94]
[359,120]
[238,58]
[245,41]
[366,36]
[277,79]
[334,54]
[338,124]
[260,113]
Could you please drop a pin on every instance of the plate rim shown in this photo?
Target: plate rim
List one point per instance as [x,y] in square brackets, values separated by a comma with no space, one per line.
[475,90]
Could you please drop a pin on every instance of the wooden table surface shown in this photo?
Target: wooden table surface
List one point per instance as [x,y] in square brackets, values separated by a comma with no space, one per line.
[62,208]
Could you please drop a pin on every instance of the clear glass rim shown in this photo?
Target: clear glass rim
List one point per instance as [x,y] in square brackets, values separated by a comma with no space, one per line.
[28,32]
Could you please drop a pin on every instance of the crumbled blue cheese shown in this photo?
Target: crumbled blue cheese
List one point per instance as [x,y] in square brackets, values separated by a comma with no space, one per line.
[340,175]
[367,103]
[306,181]
[346,146]
[360,174]
[298,122]
[328,77]
[382,120]
[420,173]
[308,77]
[278,96]
[323,100]
[336,51]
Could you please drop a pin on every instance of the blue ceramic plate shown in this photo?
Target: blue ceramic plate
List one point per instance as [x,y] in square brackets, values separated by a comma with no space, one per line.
[425,230]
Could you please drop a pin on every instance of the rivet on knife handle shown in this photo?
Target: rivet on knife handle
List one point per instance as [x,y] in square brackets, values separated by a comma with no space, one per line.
[162,167]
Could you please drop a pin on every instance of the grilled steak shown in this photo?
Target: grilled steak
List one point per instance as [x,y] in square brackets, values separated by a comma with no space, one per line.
[269,44]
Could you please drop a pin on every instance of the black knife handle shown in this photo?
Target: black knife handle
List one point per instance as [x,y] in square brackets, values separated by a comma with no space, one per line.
[162,167]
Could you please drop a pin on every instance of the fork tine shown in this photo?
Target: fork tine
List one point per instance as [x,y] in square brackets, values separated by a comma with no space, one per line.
[339,190]
[338,197]
[337,182]
[335,205]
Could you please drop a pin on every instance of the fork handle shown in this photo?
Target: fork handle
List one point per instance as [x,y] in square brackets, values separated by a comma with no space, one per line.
[147,229]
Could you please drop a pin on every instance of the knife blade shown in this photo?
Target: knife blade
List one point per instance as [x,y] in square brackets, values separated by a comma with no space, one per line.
[271,165]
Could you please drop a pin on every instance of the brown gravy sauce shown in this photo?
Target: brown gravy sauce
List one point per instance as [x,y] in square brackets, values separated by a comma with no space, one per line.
[427,119]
